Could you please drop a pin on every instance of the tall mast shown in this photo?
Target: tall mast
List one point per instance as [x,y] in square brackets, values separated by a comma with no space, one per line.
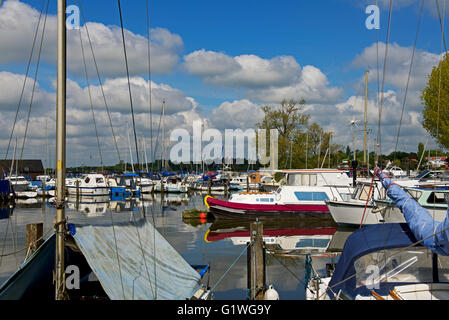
[60,154]
[365,121]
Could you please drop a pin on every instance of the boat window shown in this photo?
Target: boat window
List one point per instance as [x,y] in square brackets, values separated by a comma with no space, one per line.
[87,180]
[415,193]
[437,198]
[266,199]
[393,265]
[99,180]
[315,243]
[364,193]
[311,196]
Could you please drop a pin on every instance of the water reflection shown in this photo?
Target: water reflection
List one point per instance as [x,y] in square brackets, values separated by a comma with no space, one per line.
[200,241]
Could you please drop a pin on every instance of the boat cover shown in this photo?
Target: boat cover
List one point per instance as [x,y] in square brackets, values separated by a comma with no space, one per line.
[361,242]
[133,261]
[418,218]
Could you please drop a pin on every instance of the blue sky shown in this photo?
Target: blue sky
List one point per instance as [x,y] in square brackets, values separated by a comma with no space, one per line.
[328,35]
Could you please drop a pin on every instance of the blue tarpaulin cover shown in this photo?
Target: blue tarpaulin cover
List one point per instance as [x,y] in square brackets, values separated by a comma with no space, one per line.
[129,269]
[364,241]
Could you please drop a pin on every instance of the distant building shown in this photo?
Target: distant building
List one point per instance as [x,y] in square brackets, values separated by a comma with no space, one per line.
[30,168]
[437,161]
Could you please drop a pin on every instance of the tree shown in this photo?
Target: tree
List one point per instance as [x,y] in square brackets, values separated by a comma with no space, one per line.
[289,120]
[435,98]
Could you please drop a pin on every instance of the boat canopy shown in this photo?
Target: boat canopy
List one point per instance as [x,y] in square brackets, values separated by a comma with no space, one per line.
[368,239]
[134,261]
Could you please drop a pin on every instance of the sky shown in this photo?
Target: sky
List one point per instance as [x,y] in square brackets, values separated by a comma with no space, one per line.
[215,61]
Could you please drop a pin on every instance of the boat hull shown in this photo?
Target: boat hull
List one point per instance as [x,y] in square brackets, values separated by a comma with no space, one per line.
[93,191]
[227,209]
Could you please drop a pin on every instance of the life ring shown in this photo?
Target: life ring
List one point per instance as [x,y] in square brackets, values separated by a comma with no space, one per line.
[205,201]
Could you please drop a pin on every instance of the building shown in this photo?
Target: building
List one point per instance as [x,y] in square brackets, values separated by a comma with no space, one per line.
[32,168]
[437,161]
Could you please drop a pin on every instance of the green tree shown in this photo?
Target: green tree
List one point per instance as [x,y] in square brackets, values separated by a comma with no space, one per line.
[289,120]
[435,98]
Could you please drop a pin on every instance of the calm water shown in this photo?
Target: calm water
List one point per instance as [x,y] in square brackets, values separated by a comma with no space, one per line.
[217,243]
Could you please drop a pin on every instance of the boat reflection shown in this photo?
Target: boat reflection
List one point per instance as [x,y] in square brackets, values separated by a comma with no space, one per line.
[281,237]
[90,206]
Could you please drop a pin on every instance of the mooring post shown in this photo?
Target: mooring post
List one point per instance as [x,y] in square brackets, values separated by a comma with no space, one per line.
[34,232]
[77,200]
[256,262]
[209,187]
[247,183]
[43,190]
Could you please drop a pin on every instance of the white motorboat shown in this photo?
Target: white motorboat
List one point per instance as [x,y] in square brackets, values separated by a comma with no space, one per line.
[89,184]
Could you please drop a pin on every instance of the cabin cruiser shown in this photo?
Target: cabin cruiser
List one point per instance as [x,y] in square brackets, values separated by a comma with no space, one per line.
[304,194]
[171,184]
[19,183]
[368,207]
[243,183]
[89,184]
[124,185]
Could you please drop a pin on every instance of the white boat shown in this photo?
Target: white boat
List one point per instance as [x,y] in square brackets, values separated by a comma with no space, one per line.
[351,211]
[19,183]
[242,183]
[90,184]
[172,184]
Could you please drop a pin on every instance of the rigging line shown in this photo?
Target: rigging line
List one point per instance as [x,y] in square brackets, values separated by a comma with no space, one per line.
[149,82]
[90,99]
[118,257]
[35,80]
[157,137]
[408,79]
[439,80]
[383,80]
[25,79]
[306,285]
[129,84]
[99,80]
[377,58]
[441,25]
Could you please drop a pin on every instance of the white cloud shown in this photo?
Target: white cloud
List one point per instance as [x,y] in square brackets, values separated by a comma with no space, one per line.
[18,22]
[264,80]
[238,114]
[249,71]
[398,65]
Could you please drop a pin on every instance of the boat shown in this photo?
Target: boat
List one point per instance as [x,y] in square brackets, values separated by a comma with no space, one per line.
[19,183]
[286,201]
[110,260]
[384,262]
[92,184]
[124,184]
[90,206]
[172,184]
[380,209]
[304,195]
[243,183]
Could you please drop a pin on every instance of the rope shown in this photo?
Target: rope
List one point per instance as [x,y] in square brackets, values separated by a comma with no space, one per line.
[99,79]
[232,265]
[25,79]
[129,84]
[383,80]
[25,248]
[90,99]
[35,80]
[149,82]
[408,78]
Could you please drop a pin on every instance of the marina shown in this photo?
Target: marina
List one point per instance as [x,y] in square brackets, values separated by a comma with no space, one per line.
[150,173]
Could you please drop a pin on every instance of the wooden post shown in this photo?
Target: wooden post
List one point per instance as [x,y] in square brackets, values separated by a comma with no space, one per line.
[247,183]
[256,261]
[209,187]
[43,190]
[34,234]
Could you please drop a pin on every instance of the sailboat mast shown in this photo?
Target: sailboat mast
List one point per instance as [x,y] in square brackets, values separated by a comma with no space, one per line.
[365,120]
[163,135]
[60,153]
[129,144]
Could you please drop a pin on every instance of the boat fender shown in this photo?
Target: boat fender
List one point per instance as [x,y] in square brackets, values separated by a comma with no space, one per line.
[271,294]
